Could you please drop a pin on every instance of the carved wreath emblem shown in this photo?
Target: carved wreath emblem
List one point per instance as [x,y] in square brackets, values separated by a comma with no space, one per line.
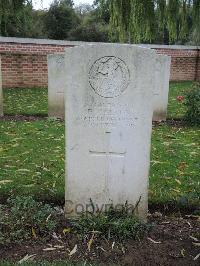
[109,76]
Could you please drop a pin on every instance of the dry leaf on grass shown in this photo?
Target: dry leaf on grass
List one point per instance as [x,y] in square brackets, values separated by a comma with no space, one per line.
[66,230]
[73,251]
[153,241]
[197,256]
[59,247]
[26,258]
[49,249]
[183,252]
[48,218]
[178,181]
[194,238]
[22,170]
[89,244]
[33,232]
[196,244]
[113,244]
[2,182]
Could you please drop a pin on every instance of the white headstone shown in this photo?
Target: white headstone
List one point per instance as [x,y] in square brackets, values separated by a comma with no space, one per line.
[161,91]
[108,114]
[56,78]
[1,92]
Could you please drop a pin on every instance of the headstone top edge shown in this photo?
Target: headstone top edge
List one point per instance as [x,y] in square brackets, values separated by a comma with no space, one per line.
[109,45]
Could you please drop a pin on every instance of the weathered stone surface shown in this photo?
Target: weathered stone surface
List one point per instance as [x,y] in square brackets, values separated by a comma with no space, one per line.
[56,77]
[56,86]
[1,92]
[160,95]
[109,110]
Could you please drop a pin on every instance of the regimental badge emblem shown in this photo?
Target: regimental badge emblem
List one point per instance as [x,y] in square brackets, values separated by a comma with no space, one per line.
[109,76]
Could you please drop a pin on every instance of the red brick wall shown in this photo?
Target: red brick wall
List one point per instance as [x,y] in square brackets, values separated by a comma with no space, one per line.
[20,70]
[185,63]
[24,64]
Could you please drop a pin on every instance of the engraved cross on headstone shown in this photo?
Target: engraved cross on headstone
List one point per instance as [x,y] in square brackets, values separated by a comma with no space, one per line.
[107,153]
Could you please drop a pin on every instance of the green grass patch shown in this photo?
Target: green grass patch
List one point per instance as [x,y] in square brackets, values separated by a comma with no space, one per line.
[31,101]
[30,218]
[177,109]
[174,173]
[32,159]
[36,220]
[35,101]
[32,153]
[118,225]
[32,162]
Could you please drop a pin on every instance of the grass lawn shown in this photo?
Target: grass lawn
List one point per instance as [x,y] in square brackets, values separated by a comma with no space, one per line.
[35,101]
[32,153]
[176,109]
[174,172]
[32,159]
[26,101]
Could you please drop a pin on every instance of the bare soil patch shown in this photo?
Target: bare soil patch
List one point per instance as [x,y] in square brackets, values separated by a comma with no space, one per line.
[171,241]
[22,117]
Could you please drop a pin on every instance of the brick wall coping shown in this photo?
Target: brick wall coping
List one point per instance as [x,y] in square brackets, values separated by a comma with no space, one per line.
[64,43]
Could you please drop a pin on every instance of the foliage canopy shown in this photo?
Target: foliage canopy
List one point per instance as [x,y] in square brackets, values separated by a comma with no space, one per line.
[14,16]
[143,20]
[60,19]
[134,21]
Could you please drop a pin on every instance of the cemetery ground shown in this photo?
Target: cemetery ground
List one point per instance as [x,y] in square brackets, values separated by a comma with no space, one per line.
[32,164]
